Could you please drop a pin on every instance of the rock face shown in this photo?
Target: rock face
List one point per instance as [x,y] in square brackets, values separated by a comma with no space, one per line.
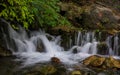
[5,39]
[102,62]
[102,48]
[92,14]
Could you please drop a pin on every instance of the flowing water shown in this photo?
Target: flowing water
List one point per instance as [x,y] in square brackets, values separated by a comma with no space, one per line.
[24,46]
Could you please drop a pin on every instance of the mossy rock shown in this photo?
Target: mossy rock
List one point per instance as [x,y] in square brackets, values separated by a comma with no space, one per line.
[48,69]
[102,62]
[112,63]
[94,61]
[76,73]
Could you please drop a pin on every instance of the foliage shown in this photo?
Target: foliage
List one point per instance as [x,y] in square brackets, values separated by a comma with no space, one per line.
[44,13]
[16,10]
[47,13]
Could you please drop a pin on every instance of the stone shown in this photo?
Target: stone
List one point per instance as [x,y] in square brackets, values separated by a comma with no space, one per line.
[76,73]
[55,60]
[112,62]
[98,61]
[94,61]
[88,60]
[48,69]
[102,62]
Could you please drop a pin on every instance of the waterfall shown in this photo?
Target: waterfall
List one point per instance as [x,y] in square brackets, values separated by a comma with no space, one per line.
[109,43]
[113,45]
[116,45]
[78,38]
[86,43]
[24,46]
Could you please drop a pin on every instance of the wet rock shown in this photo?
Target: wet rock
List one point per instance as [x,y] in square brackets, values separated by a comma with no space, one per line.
[102,73]
[112,63]
[38,70]
[61,70]
[102,48]
[45,70]
[5,52]
[40,47]
[55,60]
[75,51]
[76,73]
[102,62]
[94,61]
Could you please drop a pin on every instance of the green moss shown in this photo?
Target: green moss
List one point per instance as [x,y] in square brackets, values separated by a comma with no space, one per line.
[102,48]
[45,70]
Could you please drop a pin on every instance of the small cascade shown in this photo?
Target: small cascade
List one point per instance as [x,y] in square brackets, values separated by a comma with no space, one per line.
[109,44]
[84,45]
[113,45]
[78,38]
[116,45]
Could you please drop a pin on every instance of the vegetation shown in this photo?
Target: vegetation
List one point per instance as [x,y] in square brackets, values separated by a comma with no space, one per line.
[29,13]
[17,10]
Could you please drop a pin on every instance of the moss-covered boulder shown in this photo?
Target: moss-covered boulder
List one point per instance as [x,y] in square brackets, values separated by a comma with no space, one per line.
[94,61]
[76,73]
[112,63]
[42,69]
[102,62]
[45,70]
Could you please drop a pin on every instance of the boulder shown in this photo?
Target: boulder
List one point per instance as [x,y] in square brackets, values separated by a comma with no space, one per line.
[76,73]
[112,62]
[102,62]
[49,69]
[94,61]
[55,60]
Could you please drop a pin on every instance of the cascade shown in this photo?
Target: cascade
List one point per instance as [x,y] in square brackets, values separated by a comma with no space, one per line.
[113,45]
[26,46]
[116,45]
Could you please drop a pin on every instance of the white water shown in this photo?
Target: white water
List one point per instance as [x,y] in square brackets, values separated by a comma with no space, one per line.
[115,43]
[26,47]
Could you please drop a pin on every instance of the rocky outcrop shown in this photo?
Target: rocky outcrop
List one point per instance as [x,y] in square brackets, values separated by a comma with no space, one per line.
[102,62]
[92,14]
[5,41]
[43,70]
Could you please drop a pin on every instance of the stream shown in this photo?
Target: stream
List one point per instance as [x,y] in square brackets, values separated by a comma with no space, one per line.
[23,46]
